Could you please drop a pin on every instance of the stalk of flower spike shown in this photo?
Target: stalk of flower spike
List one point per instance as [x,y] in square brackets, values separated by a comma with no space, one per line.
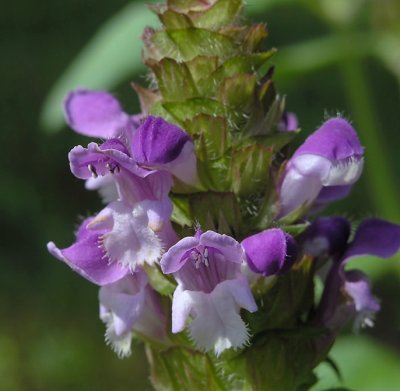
[129,305]
[210,286]
[332,157]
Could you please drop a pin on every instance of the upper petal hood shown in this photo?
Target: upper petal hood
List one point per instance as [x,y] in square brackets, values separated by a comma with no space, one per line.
[95,114]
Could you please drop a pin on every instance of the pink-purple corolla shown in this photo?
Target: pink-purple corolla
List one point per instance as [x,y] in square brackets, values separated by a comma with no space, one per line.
[211,288]
[323,168]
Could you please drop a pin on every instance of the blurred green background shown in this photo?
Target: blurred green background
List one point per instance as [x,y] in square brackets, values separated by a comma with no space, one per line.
[335,56]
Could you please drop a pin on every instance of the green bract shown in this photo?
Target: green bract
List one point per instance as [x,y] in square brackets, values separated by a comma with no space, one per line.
[213,78]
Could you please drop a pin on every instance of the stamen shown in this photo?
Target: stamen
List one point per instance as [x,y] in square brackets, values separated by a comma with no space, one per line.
[197,262]
[196,257]
[205,254]
[113,168]
[92,169]
[367,322]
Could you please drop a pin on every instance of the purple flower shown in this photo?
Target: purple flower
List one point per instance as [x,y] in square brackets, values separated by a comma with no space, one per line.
[331,157]
[161,145]
[373,237]
[158,150]
[211,289]
[112,160]
[270,252]
[128,305]
[97,114]
[99,160]
[88,258]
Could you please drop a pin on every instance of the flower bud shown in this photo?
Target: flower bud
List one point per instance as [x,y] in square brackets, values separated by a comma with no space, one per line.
[270,252]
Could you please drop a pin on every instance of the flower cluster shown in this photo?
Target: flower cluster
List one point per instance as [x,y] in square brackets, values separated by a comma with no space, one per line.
[134,170]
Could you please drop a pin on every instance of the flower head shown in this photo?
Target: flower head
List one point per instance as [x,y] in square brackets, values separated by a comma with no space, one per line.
[210,287]
[330,157]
